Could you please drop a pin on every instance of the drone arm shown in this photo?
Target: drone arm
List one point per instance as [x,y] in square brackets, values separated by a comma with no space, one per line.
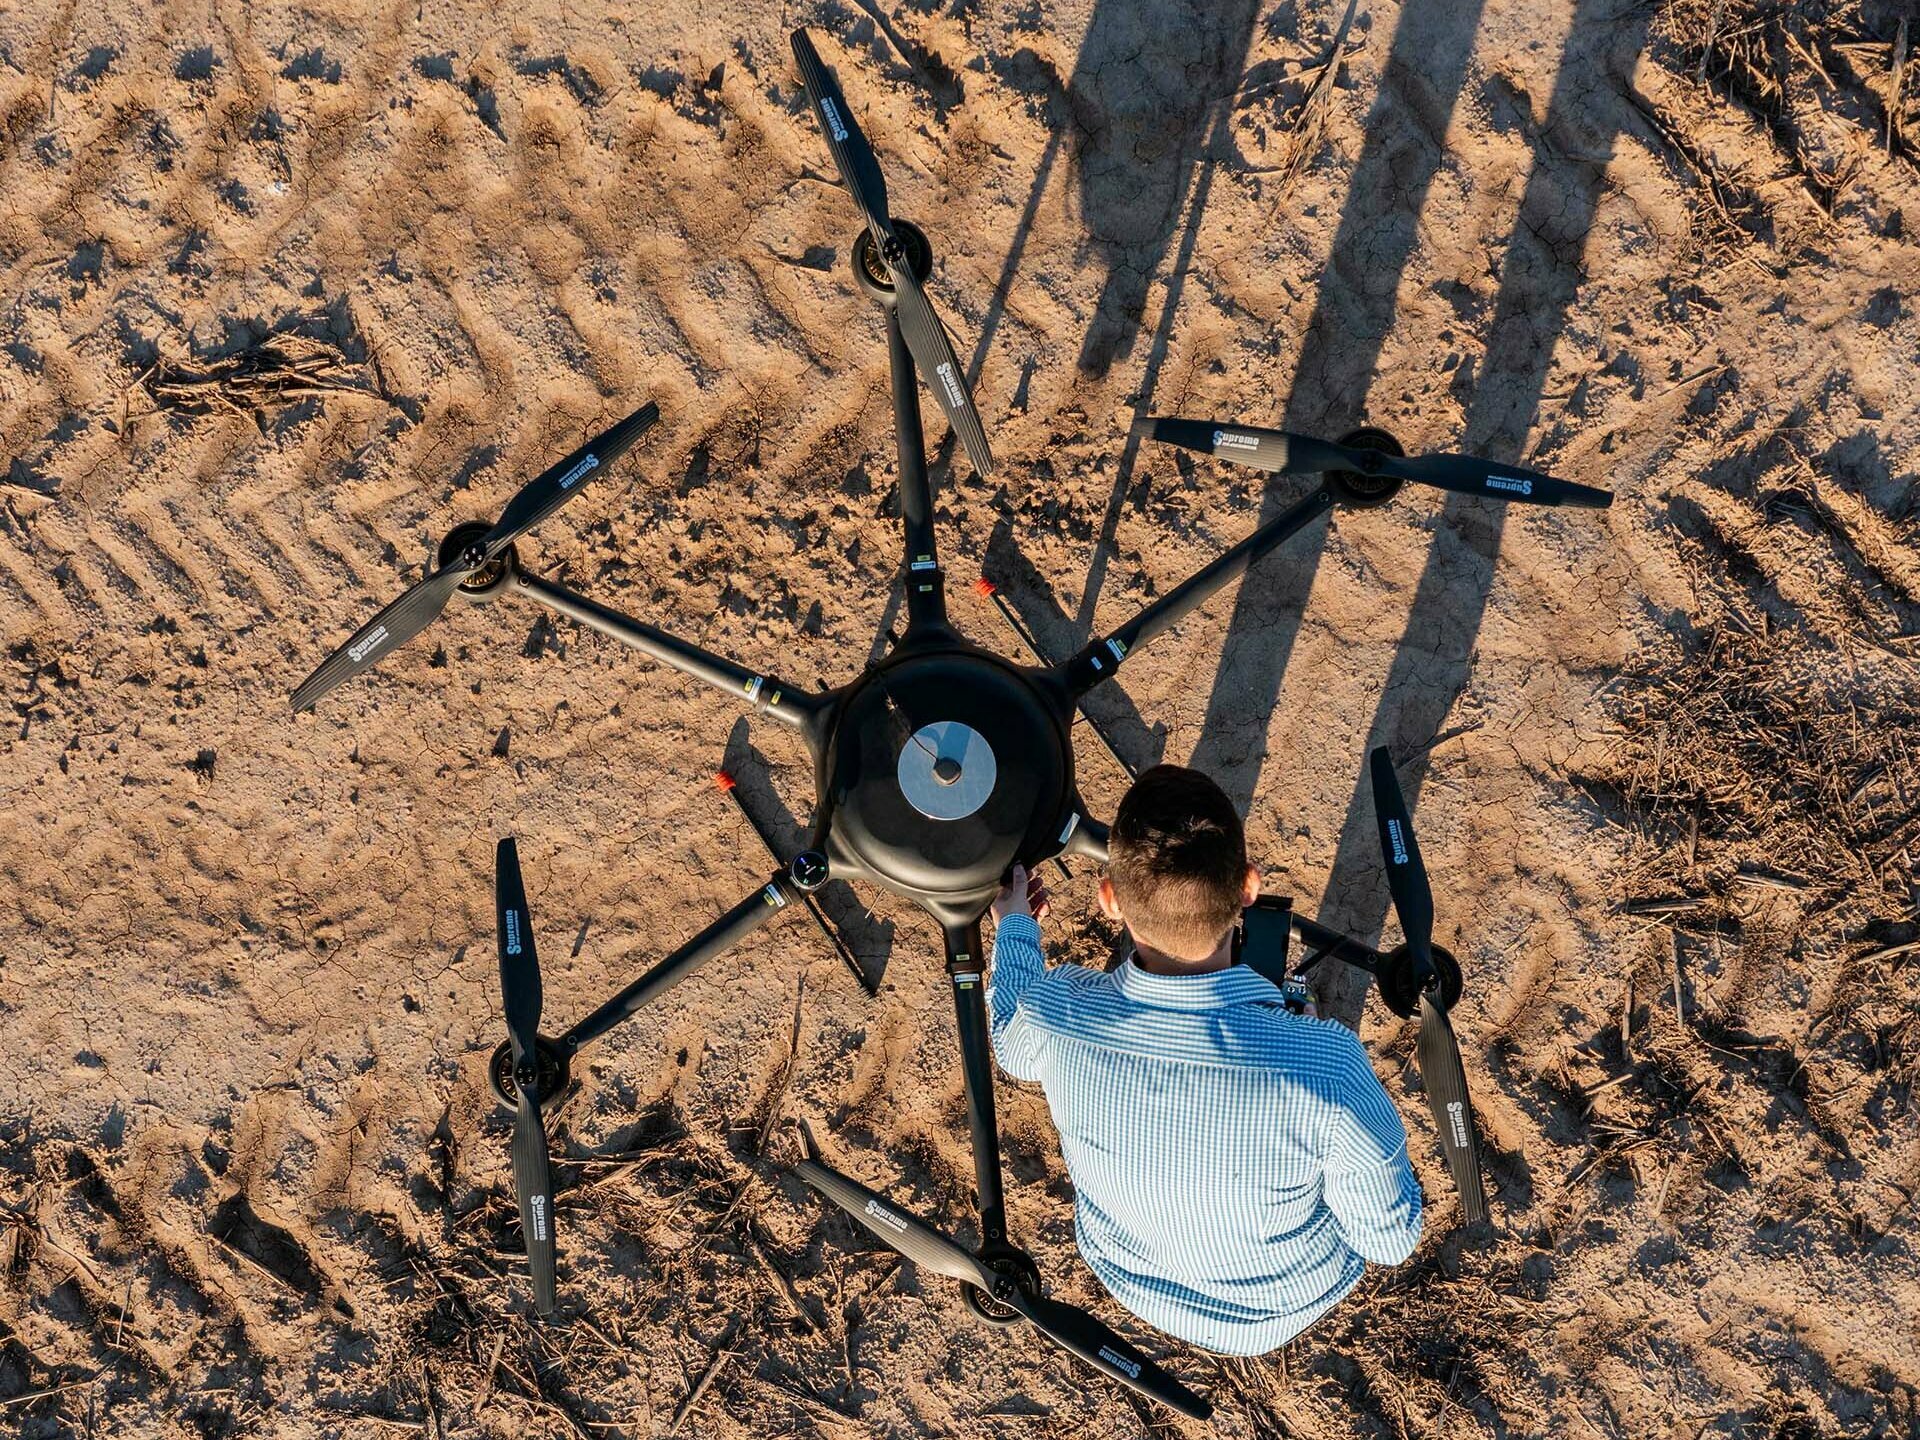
[1089,840]
[1101,658]
[920,571]
[1332,943]
[724,933]
[1031,643]
[765,693]
[966,969]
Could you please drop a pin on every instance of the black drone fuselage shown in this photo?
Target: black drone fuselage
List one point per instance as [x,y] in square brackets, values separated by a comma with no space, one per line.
[941,768]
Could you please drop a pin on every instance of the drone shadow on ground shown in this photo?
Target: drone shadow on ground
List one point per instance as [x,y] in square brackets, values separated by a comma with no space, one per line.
[1144,72]
[1403,149]
[1540,278]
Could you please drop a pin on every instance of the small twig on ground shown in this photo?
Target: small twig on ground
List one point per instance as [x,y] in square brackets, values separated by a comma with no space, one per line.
[51,1390]
[1896,97]
[757,1247]
[281,368]
[849,1317]
[493,1368]
[722,1353]
[1673,955]
[1660,1195]
[1310,124]
[1713,33]
[779,1094]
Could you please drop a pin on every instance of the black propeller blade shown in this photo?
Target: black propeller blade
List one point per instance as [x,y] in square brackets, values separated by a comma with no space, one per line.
[920,326]
[520,993]
[1073,1328]
[1438,1050]
[413,611]
[1285,453]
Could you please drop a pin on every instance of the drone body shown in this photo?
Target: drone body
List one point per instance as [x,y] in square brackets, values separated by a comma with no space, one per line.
[939,768]
[945,732]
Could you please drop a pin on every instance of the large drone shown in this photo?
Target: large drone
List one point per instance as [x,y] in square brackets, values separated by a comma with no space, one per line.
[940,767]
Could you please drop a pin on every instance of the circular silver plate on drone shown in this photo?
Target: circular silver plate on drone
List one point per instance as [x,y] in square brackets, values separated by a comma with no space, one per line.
[931,757]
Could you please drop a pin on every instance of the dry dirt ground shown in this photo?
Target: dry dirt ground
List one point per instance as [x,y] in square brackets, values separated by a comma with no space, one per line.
[291,288]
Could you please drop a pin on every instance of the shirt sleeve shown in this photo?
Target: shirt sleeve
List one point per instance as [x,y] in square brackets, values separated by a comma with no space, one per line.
[1370,1185]
[1017,964]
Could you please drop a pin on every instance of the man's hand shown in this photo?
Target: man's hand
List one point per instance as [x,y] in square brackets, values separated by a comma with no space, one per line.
[1023,894]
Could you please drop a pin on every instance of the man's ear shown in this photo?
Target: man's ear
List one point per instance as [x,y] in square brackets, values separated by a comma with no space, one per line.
[1109,906]
[1250,887]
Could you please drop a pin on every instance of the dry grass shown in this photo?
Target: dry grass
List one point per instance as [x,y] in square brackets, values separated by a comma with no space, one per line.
[274,371]
[1756,764]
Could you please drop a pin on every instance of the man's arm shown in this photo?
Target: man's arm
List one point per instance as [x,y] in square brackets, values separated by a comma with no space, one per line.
[1016,964]
[1370,1184]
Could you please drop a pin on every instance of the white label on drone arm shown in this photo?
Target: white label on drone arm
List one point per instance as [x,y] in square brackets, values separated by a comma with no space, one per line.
[566,480]
[537,1210]
[1073,824]
[774,897]
[836,127]
[1118,648]
[357,652]
[1509,483]
[1232,440]
[752,687]
[924,562]
[1129,1368]
[886,1217]
[513,932]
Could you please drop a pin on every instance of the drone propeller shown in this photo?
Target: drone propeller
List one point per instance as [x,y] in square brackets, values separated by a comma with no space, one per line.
[1285,453]
[406,617]
[1066,1325]
[920,326]
[1438,1050]
[520,992]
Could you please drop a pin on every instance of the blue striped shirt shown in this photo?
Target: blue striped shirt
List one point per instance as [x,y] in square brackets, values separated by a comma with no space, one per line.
[1236,1165]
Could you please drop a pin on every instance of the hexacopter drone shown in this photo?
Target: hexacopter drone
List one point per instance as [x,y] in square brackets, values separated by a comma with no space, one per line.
[940,767]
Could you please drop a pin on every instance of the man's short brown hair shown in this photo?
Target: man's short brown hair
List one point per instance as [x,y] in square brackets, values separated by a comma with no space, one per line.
[1177,858]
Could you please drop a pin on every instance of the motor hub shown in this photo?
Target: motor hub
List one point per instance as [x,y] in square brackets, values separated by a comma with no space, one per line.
[462,543]
[555,1072]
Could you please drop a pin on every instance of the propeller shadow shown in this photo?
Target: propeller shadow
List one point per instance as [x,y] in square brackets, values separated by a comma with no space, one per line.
[1541,276]
[1403,150]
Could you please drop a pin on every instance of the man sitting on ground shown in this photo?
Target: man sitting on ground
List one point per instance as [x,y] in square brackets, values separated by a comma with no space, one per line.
[1236,1164]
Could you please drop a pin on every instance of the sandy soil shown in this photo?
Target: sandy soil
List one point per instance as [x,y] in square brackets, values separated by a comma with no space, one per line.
[291,289]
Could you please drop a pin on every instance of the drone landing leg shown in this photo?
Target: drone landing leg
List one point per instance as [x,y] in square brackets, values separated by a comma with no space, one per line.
[765,693]
[847,957]
[1101,658]
[724,933]
[1089,840]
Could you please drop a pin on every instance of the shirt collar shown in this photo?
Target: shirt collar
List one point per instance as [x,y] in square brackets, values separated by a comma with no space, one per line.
[1215,990]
